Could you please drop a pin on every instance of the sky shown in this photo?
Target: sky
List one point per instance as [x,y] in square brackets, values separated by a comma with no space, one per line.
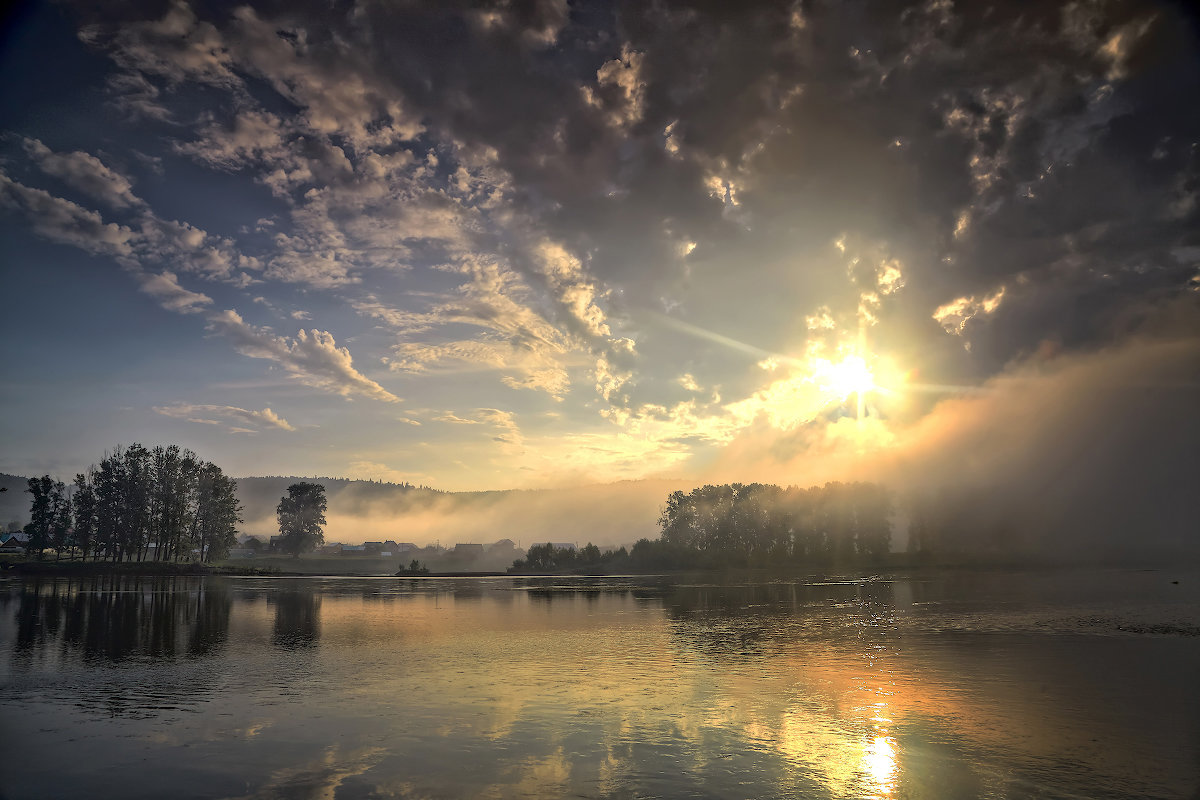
[522,245]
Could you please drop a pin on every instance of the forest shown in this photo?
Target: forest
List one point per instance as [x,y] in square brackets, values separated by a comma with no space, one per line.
[161,504]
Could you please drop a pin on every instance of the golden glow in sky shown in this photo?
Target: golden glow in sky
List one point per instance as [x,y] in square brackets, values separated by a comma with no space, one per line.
[849,376]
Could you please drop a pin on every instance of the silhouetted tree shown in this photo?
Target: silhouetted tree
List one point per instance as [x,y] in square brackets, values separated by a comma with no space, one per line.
[45,508]
[136,501]
[217,513]
[175,482]
[60,519]
[84,500]
[301,514]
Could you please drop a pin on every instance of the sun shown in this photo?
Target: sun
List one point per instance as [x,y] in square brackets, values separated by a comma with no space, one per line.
[849,376]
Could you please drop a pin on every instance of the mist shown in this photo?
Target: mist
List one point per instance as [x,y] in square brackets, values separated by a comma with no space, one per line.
[610,514]
[1064,456]
[1090,456]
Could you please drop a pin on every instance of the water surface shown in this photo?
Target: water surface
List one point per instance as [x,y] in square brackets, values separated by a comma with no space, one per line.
[1006,685]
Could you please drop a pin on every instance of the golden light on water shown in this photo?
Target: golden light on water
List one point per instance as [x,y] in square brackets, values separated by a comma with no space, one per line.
[879,766]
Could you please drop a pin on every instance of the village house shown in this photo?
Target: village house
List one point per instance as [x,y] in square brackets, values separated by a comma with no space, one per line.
[13,542]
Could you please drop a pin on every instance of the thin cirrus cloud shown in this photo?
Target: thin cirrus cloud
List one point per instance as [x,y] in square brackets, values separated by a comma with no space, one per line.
[236,420]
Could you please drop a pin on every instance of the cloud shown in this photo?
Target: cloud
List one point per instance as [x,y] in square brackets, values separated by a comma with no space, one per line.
[619,90]
[514,337]
[577,295]
[65,222]
[178,47]
[455,419]
[955,315]
[253,136]
[165,288]
[312,357]
[205,414]
[84,172]
[145,239]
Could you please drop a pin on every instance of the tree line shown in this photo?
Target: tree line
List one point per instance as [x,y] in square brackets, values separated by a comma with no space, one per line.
[160,504]
[547,558]
[747,525]
[762,524]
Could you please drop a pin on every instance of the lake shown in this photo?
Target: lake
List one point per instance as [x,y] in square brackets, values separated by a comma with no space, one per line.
[953,685]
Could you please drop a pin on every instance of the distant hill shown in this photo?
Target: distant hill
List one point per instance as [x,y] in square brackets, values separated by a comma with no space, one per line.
[609,514]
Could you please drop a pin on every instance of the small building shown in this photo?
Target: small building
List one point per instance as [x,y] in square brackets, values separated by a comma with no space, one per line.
[354,550]
[468,550]
[13,542]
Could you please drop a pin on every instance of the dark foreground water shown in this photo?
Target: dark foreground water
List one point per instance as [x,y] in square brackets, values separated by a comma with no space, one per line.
[963,685]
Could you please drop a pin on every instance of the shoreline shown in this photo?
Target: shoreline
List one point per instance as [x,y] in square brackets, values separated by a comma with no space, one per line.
[878,572]
[149,569]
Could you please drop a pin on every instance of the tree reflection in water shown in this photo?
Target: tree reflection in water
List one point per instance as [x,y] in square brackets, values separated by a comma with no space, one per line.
[297,619]
[145,643]
[116,619]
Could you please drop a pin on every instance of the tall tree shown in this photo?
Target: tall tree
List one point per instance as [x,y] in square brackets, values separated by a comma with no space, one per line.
[301,514]
[42,513]
[172,499]
[218,513]
[60,520]
[84,501]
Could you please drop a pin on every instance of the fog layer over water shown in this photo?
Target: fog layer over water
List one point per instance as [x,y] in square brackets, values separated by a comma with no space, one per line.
[956,685]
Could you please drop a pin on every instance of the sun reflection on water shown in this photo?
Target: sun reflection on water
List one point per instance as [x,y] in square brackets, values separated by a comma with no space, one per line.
[879,766]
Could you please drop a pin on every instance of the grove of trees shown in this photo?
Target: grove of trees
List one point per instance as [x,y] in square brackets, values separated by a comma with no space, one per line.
[301,514]
[163,504]
[546,558]
[762,524]
[747,525]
